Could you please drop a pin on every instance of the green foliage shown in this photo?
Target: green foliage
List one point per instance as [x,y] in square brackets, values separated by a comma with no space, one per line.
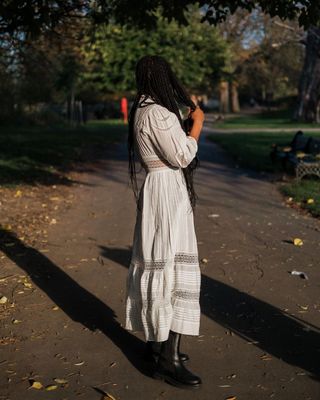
[306,11]
[34,72]
[302,191]
[196,52]
[34,17]
[273,68]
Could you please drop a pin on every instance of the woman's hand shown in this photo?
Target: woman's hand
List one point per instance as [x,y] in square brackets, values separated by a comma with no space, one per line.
[197,115]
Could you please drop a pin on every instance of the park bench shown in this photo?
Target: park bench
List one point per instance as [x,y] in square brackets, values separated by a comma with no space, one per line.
[302,154]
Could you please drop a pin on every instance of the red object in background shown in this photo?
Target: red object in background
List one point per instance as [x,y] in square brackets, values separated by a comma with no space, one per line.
[124,109]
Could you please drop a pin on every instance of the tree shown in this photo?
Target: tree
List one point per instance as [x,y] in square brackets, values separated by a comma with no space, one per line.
[307,108]
[196,52]
[43,70]
[35,16]
[21,20]
[272,67]
[239,29]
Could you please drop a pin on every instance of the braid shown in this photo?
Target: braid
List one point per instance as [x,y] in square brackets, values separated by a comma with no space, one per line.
[156,80]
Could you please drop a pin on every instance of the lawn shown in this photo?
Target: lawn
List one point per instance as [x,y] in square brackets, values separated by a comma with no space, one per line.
[273,119]
[252,150]
[43,154]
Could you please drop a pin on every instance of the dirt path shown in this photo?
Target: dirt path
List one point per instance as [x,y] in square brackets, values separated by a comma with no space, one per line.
[259,337]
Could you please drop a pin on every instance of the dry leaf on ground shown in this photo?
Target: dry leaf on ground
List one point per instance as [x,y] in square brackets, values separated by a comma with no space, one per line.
[297,242]
[108,396]
[51,387]
[60,380]
[36,385]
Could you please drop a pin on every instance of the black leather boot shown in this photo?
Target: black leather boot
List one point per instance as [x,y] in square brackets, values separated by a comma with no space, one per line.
[171,369]
[153,349]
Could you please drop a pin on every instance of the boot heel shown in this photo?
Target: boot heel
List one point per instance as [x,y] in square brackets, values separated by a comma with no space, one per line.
[174,382]
[169,367]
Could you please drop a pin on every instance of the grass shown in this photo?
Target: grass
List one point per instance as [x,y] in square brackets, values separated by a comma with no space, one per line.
[301,192]
[41,154]
[252,150]
[273,119]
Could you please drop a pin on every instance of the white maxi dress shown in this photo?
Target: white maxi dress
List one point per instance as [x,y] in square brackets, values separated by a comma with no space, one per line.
[163,282]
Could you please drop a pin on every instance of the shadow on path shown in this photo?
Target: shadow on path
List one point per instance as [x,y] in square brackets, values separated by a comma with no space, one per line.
[285,337]
[79,304]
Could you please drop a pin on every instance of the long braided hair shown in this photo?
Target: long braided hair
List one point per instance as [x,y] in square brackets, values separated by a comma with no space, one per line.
[156,80]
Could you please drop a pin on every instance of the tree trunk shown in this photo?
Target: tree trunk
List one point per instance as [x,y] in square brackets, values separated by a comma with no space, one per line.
[224,97]
[309,85]
[235,106]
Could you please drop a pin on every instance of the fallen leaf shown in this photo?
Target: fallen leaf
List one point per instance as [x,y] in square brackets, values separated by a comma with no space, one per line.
[108,396]
[61,381]
[297,242]
[79,363]
[51,387]
[36,385]
[3,300]
[231,398]
[3,279]
[18,193]
[55,308]
[16,321]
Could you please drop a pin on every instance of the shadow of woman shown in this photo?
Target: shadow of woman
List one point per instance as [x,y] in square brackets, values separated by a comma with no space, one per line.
[286,337]
[79,304]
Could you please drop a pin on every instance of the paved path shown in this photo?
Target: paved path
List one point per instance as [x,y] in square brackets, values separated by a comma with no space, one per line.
[259,328]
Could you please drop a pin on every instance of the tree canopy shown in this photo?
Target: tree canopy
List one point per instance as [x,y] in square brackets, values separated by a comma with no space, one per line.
[197,53]
[35,16]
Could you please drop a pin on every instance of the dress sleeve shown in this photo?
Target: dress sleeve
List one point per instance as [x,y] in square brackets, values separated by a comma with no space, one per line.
[169,139]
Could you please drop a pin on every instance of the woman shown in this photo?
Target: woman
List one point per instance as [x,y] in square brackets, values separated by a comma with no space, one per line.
[163,282]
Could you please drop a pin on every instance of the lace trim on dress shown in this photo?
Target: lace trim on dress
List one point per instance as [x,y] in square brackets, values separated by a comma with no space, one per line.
[186,258]
[180,258]
[186,295]
[154,164]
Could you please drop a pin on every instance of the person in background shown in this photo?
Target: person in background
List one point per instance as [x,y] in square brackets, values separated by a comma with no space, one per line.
[124,109]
